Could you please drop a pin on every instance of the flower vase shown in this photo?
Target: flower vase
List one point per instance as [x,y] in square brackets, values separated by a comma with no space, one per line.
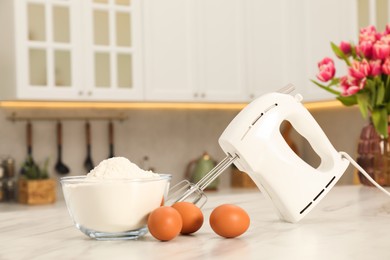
[374,156]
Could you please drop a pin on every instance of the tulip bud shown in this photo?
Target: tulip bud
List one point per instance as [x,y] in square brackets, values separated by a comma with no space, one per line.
[345,47]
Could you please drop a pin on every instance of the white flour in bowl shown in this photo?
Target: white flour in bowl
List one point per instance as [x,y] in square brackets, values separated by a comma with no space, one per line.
[119,168]
[116,196]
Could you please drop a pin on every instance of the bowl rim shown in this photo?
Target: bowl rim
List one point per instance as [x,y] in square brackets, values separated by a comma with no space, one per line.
[84,179]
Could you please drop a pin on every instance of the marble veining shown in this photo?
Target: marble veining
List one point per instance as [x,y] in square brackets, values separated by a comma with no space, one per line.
[351,222]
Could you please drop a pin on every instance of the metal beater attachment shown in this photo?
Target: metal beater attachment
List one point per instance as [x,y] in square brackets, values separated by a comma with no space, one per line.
[187,191]
[287,89]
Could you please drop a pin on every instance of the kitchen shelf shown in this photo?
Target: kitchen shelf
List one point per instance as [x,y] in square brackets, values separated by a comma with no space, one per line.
[20,117]
[331,104]
[55,113]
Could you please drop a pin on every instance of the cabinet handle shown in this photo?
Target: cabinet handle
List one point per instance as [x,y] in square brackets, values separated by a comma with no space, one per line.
[89,93]
[203,95]
[196,95]
[81,93]
[252,96]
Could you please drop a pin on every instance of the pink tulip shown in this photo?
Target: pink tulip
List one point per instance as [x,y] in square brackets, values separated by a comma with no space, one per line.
[362,83]
[344,83]
[380,50]
[375,67]
[378,36]
[350,85]
[364,49]
[386,66]
[327,69]
[347,90]
[385,38]
[351,91]
[347,81]
[368,34]
[387,30]
[325,60]
[345,47]
[368,29]
[359,70]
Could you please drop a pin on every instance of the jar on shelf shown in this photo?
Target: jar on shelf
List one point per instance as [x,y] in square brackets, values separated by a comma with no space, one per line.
[10,190]
[9,167]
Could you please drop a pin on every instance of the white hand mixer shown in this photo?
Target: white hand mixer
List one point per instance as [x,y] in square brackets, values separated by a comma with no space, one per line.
[254,143]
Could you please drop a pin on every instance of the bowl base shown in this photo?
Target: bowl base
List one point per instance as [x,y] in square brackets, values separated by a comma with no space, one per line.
[126,235]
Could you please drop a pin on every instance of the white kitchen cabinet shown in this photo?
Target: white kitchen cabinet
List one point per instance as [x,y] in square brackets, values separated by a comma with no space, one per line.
[289,37]
[194,50]
[113,49]
[236,50]
[310,27]
[221,50]
[267,47]
[167,50]
[70,50]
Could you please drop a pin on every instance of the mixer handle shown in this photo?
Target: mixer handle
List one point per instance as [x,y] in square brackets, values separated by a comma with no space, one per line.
[305,124]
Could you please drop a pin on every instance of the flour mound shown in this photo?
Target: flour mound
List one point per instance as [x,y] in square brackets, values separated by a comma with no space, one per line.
[119,168]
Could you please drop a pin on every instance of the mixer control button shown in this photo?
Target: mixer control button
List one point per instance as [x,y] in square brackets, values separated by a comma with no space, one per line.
[298,97]
[257,118]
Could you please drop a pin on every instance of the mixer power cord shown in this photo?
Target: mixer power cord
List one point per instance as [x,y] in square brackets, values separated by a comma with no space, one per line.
[357,166]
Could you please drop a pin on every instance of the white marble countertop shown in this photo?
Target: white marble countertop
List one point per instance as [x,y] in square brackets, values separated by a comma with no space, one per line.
[351,222]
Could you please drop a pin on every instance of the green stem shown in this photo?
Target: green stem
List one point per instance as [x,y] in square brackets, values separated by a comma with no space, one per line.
[387,90]
[326,88]
[387,81]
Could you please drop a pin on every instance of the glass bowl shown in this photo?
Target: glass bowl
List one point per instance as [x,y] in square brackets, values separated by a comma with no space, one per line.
[113,209]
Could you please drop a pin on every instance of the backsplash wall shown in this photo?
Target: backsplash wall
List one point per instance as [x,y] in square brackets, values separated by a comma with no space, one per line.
[170,138]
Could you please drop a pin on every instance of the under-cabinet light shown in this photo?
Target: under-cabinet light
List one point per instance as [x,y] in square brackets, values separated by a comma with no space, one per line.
[119,105]
[147,105]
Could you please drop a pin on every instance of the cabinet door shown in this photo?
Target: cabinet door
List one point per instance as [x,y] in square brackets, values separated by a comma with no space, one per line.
[221,50]
[113,50]
[325,21]
[287,38]
[47,49]
[170,50]
[267,46]
[194,50]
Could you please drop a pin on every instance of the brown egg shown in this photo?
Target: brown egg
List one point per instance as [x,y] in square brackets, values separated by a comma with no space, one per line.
[164,223]
[229,220]
[191,215]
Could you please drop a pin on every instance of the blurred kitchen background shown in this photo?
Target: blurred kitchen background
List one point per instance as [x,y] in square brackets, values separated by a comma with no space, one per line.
[169,138]
[169,74]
